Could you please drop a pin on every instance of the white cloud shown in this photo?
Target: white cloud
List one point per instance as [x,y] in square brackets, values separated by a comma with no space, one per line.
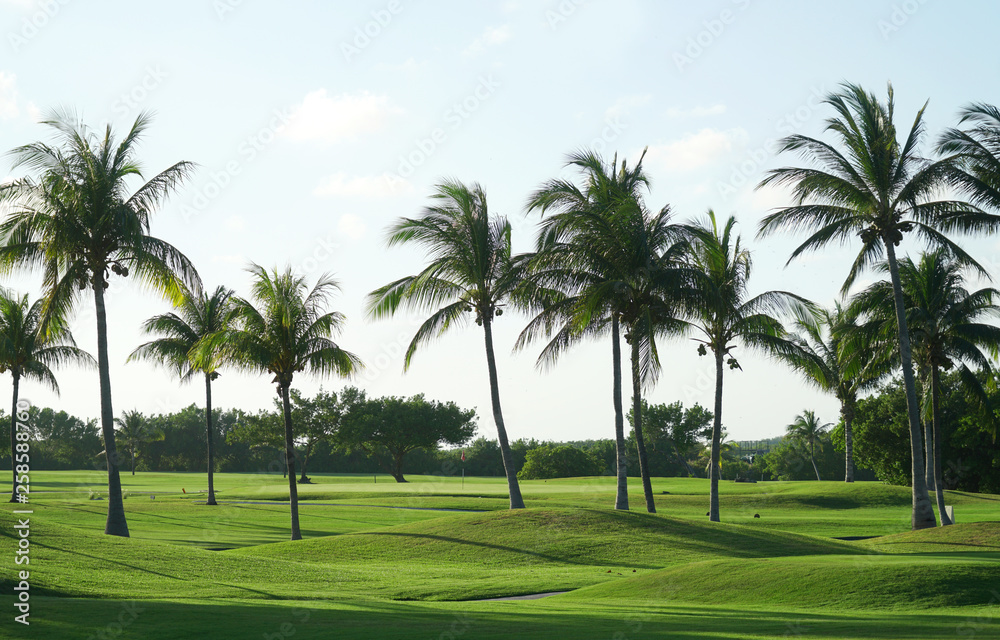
[696,112]
[381,186]
[332,119]
[625,104]
[8,96]
[697,150]
[492,37]
[34,112]
[351,226]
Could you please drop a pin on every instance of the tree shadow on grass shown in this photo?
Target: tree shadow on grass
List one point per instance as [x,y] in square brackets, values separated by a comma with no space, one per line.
[370,619]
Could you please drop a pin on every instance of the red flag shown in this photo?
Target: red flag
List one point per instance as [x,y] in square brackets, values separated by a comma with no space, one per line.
[463,455]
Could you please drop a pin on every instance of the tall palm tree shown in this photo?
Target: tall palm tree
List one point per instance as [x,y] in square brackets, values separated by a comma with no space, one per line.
[199,315]
[612,260]
[727,314]
[471,272]
[29,353]
[285,329]
[947,325]
[977,151]
[79,222]
[831,364]
[878,189]
[808,429]
[134,430]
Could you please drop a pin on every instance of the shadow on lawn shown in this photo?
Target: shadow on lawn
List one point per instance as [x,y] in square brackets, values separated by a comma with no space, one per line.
[156,620]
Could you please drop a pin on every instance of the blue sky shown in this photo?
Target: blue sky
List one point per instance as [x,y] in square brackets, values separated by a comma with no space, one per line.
[316,124]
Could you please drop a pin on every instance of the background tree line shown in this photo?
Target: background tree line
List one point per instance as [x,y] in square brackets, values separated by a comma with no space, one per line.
[677,440]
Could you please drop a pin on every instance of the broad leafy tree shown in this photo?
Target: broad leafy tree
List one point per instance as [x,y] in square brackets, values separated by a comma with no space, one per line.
[79,221]
[950,329]
[471,274]
[29,353]
[871,186]
[387,429]
[728,315]
[675,433]
[198,315]
[284,329]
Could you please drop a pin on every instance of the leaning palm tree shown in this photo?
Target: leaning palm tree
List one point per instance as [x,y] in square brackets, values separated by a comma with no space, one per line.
[29,353]
[471,272]
[878,189]
[199,315]
[947,326]
[134,431]
[808,429]
[611,259]
[284,330]
[79,222]
[727,314]
[835,365]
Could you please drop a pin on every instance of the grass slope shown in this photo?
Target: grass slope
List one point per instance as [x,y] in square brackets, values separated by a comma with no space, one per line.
[606,538]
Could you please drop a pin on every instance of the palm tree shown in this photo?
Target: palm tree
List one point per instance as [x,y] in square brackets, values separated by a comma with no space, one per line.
[199,315]
[611,259]
[878,189]
[807,429]
[727,313]
[78,223]
[29,353]
[977,152]
[471,272]
[832,364]
[283,331]
[946,324]
[134,430]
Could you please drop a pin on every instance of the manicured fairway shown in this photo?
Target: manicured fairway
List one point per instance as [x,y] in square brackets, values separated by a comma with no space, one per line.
[381,561]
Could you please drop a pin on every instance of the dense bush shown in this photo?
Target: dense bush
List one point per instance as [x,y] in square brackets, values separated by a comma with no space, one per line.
[559,461]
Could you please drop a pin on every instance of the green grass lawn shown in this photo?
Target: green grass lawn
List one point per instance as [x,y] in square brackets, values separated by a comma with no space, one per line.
[380,560]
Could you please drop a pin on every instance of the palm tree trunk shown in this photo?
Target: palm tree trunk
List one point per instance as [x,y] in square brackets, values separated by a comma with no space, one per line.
[923,513]
[929,454]
[13,440]
[621,495]
[812,458]
[208,436]
[936,417]
[848,414]
[293,494]
[713,462]
[640,440]
[116,524]
[514,490]
[132,453]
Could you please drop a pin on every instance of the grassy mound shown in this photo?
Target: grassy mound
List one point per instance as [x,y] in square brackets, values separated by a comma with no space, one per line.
[978,537]
[561,536]
[858,582]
